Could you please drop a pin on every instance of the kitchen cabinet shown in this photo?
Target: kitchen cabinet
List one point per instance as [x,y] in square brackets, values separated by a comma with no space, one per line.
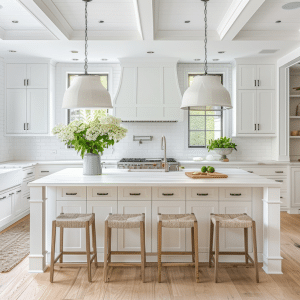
[6,208]
[173,239]
[260,77]
[295,177]
[19,202]
[256,112]
[129,239]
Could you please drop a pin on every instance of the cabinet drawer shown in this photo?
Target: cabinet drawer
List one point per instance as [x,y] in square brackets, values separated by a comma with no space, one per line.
[28,172]
[282,180]
[102,193]
[267,171]
[235,194]
[134,193]
[71,193]
[202,193]
[168,193]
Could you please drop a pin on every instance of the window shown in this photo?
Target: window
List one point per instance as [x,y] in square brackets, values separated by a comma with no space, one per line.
[78,114]
[204,125]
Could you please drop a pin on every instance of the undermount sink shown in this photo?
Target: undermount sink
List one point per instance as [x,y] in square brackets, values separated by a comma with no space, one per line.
[146,170]
[10,178]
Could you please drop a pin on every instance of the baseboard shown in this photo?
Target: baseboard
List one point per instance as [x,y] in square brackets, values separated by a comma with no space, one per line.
[293,211]
[15,219]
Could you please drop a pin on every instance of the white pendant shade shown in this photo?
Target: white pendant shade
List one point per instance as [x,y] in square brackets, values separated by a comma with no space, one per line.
[87,92]
[204,93]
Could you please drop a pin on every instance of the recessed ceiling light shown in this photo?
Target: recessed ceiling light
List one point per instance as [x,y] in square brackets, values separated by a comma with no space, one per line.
[15,21]
[104,59]
[187,21]
[101,21]
[150,52]
[278,21]
[197,59]
[215,59]
[75,58]
[291,5]
[221,52]
[74,51]
[12,51]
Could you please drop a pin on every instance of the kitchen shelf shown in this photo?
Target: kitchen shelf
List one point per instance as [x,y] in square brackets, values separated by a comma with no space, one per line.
[295,137]
[294,117]
[294,96]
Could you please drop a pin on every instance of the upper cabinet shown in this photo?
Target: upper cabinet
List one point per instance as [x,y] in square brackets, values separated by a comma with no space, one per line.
[255,100]
[28,98]
[148,91]
[256,77]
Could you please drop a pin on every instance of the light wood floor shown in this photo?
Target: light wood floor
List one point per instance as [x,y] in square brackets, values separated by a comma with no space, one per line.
[178,282]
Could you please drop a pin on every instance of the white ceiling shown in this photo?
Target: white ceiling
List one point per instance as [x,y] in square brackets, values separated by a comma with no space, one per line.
[242,28]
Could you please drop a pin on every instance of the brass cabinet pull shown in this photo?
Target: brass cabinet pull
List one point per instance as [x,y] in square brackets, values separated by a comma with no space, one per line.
[71,194]
[19,191]
[27,81]
[279,180]
[235,194]
[10,194]
[29,173]
[254,82]
[28,198]
[44,171]
[278,171]
[250,171]
[202,194]
[255,127]
[135,194]
[102,194]
[281,197]
[3,198]
[171,194]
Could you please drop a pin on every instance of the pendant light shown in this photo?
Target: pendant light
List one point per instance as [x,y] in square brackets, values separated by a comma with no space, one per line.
[207,91]
[86,90]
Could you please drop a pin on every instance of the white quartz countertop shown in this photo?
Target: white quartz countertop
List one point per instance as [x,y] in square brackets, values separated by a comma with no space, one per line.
[234,162]
[116,177]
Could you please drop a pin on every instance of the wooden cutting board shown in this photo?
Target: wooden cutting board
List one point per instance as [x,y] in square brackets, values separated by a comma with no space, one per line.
[209,175]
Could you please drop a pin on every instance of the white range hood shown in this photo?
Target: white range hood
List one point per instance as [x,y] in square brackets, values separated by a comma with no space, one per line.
[148,91]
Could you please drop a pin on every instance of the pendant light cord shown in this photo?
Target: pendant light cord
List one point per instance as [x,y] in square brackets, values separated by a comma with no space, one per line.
[205,38]
[86,40]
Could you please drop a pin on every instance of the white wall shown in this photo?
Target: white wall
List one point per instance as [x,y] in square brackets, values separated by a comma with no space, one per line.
[49,148]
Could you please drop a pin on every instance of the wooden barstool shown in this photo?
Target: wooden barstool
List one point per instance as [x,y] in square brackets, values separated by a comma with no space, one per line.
[74,221]
[124,221]
[232,221]
[178,221]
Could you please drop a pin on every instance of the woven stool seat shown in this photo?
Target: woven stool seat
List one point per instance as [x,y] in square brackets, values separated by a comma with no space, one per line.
[74,220]
[177,221]
[232,220]
[125,220]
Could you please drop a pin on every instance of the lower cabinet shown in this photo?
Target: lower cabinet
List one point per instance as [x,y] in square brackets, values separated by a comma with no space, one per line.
[19,204]
[6,208]
[129,239]
[173,239]
[232,239]
[102,209]
[202,211]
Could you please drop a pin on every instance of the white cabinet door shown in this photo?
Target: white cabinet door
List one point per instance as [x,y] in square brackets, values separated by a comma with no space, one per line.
[202,211]
[295,187]
[266,111]
[37,107]
[266,77]
[37,76]
[74,238]
[16,76]
[19,206]
[129,239]
[173,239]
[232,239]
[246,111]
[6,208]
[15,110]
[246,77]
[102,209]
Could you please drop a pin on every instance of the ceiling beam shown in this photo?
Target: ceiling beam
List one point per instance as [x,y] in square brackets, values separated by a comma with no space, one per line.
[238,14]
[44,15]
[145,17]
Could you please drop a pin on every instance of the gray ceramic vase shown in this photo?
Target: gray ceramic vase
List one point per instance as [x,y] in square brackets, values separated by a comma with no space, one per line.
[92,164]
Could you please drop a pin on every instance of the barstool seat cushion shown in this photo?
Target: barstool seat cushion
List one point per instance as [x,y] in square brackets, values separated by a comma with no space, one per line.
[74,220]
[232,220]
[177,221]
[125,220]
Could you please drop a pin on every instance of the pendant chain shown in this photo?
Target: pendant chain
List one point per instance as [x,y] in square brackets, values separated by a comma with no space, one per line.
[86,40]
[205,39]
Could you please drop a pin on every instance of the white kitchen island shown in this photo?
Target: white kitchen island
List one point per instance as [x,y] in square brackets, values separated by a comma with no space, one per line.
[120,191]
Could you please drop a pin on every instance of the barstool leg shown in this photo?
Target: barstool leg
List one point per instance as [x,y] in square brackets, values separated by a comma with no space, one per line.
[109,244]
[196,251]
[246,244]
[61,243]
[94,243]
[193,244]
[217,251]
[52,250]
[142,237]
[211,241]
[105,252]
[255,250]
[88,250]
[159,241]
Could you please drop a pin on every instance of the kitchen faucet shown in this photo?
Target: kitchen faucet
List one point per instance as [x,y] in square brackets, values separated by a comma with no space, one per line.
[164,147]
